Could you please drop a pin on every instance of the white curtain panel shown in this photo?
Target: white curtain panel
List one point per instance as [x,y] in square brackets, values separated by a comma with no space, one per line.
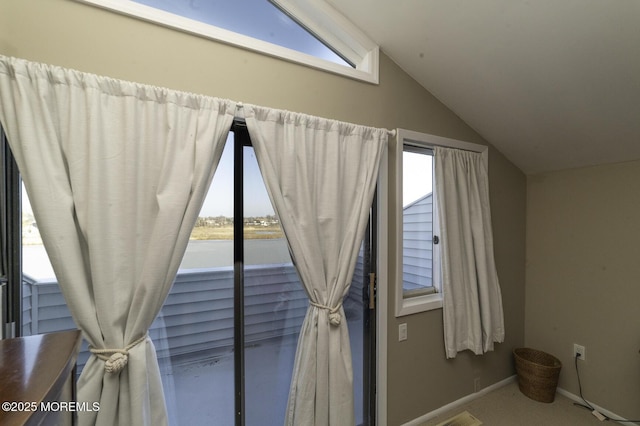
[321,177]
[116,173]
[472,302]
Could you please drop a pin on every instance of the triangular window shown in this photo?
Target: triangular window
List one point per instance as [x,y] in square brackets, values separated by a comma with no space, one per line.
[311,33]
[259,19]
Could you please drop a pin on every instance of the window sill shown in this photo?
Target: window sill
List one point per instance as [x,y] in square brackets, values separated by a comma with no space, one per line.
[418,304]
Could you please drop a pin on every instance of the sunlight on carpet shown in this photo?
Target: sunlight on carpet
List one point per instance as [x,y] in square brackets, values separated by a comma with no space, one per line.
[462,419]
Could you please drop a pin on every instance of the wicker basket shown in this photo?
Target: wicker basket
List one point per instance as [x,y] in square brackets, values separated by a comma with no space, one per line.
[538,373]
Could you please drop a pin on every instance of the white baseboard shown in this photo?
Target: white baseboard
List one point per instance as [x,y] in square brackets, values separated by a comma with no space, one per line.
[464,400]
[604,411]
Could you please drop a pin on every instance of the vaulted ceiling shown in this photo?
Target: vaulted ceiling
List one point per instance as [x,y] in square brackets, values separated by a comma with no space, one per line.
[553,84]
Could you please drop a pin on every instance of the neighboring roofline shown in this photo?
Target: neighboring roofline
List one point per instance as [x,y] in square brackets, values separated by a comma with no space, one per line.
[417,201]
[317,16]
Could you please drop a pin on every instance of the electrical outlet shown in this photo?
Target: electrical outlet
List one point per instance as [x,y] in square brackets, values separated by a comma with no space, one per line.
[402,332]
[580,352]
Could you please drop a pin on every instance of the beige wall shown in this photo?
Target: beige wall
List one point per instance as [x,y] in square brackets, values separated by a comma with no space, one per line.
[420,379]
[583,279]
[73,35]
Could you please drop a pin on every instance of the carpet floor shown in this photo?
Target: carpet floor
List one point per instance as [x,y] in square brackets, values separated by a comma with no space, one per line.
[507,406]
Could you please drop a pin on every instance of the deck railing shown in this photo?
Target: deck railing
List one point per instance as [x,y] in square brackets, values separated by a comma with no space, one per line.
[197,317]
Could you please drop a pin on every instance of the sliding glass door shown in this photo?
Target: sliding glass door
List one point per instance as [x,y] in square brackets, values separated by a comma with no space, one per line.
[10,269]
[260,302]
[274,301]
[226,337]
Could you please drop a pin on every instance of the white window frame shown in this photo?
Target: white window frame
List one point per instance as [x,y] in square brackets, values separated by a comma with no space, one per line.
[382,284]
[412,305]
[317,16]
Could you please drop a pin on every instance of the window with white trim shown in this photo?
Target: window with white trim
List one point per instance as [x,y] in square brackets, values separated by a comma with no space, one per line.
[418,281]
[419,235]
[310,33]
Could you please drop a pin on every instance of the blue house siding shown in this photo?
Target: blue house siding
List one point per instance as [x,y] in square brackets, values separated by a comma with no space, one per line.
[417,222]
[197,318]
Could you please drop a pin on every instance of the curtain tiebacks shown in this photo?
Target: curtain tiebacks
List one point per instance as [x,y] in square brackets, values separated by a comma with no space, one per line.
[334,315]
[116,359]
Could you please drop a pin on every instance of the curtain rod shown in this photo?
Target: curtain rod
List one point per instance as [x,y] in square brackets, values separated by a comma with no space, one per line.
[240,119]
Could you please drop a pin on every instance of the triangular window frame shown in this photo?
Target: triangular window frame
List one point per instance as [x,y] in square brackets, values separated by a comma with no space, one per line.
[317,17]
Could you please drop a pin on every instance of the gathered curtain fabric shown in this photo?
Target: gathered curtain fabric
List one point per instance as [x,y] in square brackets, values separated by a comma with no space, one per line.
[116,173]
[320,175]
[472,301]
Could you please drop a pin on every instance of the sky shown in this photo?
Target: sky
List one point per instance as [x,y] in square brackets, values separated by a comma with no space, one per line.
[417,176]
[254,18]
[219,201]
[417,182]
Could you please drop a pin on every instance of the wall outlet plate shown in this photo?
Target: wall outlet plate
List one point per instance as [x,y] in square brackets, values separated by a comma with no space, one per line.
[402,332]
[579,350]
